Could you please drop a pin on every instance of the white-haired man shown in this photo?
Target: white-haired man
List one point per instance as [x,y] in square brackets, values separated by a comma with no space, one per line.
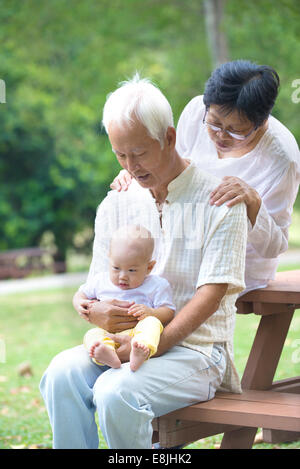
[200,251]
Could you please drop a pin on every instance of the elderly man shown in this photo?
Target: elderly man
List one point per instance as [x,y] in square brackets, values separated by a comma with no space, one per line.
[200,250]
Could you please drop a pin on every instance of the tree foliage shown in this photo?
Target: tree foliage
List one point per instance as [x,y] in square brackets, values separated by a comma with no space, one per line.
[59,60]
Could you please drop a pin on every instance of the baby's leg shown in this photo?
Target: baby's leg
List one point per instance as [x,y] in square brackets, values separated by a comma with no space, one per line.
[104,355]
[101,348]
[139,353]
[145,341]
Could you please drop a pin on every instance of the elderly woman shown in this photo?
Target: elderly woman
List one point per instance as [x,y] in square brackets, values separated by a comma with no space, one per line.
[229,132]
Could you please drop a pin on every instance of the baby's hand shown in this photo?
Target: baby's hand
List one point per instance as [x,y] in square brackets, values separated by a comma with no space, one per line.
[140,311]
[82,306]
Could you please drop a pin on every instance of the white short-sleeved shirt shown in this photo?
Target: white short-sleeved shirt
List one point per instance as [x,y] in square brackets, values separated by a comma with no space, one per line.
[272,168]
[154,292]
[196,244]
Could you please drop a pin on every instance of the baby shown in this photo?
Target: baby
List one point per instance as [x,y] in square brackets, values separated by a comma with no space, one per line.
[130,263]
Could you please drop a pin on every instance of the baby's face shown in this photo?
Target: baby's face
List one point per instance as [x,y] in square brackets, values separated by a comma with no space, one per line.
[128,269]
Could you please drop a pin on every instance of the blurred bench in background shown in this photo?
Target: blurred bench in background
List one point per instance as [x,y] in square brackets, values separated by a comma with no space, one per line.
[19,263]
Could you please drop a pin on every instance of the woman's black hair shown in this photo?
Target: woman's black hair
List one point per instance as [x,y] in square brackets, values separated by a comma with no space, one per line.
[243,86]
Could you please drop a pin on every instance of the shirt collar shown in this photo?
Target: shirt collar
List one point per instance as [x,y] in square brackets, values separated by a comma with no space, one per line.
[182,181]
[176,186]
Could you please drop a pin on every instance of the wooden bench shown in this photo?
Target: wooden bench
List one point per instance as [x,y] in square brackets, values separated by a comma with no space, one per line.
[255,409]
[275,407]
[19,263]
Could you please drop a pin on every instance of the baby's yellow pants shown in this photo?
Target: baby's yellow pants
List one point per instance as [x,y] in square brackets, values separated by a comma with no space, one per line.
[147,331]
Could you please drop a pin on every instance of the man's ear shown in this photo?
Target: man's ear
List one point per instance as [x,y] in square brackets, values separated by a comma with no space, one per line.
[171,137]
[151,264]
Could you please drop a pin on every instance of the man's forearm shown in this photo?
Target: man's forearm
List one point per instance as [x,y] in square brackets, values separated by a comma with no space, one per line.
[203,304]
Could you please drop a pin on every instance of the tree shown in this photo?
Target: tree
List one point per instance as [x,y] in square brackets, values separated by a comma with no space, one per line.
[55,161]
[216,37]
[60,59]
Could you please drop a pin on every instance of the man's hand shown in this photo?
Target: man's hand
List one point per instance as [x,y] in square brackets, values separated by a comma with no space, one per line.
[123,351]
[112,315]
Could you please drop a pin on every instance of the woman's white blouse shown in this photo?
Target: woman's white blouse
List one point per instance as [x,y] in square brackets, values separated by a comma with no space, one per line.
[272,168]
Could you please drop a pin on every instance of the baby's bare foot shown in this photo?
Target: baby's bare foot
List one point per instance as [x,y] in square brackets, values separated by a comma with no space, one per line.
[139,353]
[105,355]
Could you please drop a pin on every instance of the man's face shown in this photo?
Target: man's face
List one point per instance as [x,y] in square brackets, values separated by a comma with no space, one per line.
[140,154]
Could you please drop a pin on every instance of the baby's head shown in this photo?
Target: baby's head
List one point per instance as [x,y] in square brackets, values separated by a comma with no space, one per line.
[130,256]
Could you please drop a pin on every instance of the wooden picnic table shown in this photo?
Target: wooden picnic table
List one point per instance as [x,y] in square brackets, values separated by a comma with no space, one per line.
[272,406]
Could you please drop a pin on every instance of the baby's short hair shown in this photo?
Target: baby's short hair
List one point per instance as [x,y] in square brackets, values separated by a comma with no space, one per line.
[134,236]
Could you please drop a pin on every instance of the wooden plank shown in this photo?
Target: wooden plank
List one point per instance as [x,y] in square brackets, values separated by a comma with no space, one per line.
[242,438]
[272,436]
[264,309]
[264,357]
[290,385]
[155,425]
[244,307]
[270,397]
[174,432]
[190,433]
[284,289]
[284,281]
[155,437]
[284,296]
[246,407]
[279,436]
[249,414]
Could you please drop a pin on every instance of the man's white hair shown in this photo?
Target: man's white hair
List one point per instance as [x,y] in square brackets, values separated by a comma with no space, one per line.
[139,99]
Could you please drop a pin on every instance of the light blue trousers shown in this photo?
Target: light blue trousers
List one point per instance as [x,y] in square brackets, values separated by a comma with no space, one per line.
[73,388]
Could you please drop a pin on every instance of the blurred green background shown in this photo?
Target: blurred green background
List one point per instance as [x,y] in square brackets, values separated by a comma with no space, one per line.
[60,59]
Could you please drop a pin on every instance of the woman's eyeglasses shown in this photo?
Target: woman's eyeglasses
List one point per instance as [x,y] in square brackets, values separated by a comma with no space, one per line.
[215,128]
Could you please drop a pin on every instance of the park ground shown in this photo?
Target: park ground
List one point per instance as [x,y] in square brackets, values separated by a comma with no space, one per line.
[38,321]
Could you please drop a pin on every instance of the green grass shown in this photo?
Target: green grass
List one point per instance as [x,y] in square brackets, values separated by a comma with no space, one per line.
[36,326]
[294,231]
